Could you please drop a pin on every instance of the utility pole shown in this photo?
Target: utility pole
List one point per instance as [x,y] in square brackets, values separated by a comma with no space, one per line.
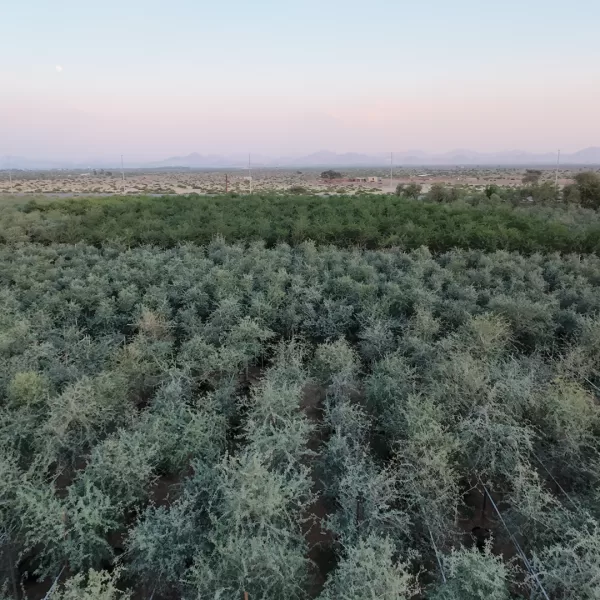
[391,171]
[122,173]
[226,183]
[556,175]
[249,173]
[10,174]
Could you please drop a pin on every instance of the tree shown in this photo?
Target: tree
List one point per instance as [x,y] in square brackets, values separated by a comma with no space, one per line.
[532,176]
[255,543]
[365,498]
[493,442]
[331,174]
[491,190]
[412,190]
[570,568]
[162,544]
[571,194]
[297,189]
[569,417]
[369,570]
[376,339]
[96,585]
[534,511]
[425,466]
[263,565]
[588,185]
[122,467]
[438,193]
[336,365]
[28,389]
[472,575]
[545,193]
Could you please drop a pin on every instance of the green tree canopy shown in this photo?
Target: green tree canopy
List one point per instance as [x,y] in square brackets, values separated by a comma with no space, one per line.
[588,186]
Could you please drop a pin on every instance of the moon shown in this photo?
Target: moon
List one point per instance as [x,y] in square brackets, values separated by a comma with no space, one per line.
[58,68]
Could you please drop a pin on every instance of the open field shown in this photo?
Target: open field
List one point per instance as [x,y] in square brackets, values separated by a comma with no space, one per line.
[185,181]
[292,396]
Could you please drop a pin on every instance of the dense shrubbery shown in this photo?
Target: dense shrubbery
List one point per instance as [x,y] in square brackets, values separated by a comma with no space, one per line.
[152,416]
[368,221]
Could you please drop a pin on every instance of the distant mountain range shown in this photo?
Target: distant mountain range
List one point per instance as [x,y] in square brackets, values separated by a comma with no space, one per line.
[588,156]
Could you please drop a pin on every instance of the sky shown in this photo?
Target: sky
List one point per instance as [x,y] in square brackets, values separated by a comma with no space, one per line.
[152,79]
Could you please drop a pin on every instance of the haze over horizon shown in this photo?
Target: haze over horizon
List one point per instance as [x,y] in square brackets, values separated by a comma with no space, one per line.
[86,82]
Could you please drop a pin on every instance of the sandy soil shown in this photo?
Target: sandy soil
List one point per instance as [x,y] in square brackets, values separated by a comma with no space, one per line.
[183,181]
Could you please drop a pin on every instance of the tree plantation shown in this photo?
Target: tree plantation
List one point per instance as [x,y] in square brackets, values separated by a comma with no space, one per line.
[443,219]
[294,421]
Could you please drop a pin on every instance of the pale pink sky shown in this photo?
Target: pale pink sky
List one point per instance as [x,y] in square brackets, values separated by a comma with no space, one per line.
[278,78]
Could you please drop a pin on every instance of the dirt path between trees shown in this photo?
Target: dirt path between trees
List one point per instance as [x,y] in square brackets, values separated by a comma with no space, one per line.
[320,541]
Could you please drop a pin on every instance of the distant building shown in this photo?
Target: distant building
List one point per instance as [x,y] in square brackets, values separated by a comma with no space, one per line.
[365,179]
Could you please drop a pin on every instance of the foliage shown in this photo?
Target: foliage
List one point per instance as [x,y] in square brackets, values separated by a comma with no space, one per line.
[588,186]
[570,567]
[425,465]
[199,405]
[369,570]
[122,467]
[473,575]
[258,564]
[532,176]
[409,190]
[97,585]
[335,364]
[452,220]
[366,497]
[331,174]
[27,388]
[493,443]
[162,544]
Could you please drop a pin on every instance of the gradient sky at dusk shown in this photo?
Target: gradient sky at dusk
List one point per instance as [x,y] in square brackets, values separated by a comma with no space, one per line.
[151,79]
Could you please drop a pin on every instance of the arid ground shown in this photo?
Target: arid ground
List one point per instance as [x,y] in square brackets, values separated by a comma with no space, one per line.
[183,181]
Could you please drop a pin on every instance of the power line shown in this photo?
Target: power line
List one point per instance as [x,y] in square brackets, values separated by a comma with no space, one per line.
[575,505]
[437,555]
[516,544]
[51,590]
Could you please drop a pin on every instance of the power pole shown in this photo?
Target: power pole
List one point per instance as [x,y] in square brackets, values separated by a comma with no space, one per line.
[10,174]
[226,183]
[122,173]
[556,175]
[391,171]
[249,173]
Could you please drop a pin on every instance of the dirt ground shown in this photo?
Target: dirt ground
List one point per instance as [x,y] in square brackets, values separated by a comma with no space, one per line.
[320,540]
[185,181]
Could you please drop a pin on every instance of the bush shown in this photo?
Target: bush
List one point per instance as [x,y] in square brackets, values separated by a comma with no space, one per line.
[588,186]
[331,174]
[343,220]
[28,389]
[472,575]
[95,585]
[369,570]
